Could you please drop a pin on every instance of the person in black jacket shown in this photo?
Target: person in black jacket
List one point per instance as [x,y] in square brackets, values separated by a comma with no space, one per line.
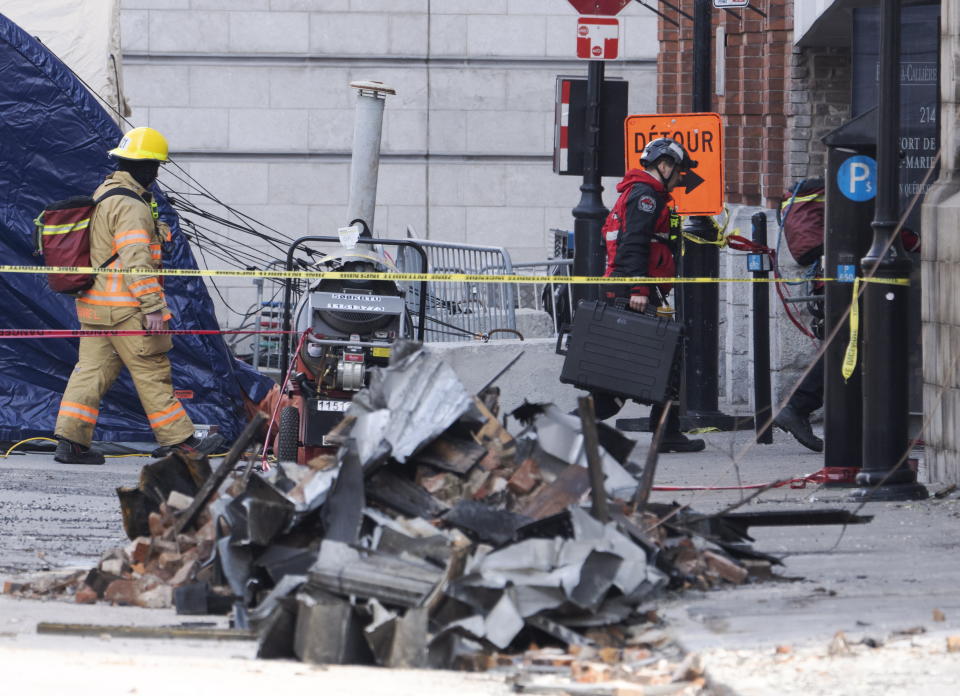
[636,235]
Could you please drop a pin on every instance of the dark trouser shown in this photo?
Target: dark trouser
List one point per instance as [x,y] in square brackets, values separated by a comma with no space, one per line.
[607,406]
[809,395]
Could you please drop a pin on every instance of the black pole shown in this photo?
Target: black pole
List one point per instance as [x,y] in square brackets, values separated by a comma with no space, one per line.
[589,255]
[761,339]
[699,303]
[885,474]
[846,241]
[701,55]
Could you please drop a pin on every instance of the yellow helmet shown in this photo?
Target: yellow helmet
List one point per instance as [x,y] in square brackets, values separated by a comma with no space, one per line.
[141,144]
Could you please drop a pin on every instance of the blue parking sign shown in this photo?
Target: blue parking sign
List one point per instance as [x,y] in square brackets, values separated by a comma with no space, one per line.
[846,273]
[857,178]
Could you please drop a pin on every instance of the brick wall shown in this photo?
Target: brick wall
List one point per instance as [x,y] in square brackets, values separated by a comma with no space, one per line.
[754,102]
[777,102]
[819,103]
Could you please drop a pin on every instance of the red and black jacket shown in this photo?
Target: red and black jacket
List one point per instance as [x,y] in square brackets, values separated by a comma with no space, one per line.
[640,215]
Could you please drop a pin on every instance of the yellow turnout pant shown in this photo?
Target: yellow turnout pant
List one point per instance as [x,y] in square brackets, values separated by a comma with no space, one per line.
[101,358]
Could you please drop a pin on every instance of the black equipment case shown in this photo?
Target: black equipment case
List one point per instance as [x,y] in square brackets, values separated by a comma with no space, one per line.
[621,352]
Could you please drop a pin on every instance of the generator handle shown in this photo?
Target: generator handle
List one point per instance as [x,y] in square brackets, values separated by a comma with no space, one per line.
[346,344]
[288,287]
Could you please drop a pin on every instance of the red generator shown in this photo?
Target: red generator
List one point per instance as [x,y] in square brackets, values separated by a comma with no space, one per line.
[343,327]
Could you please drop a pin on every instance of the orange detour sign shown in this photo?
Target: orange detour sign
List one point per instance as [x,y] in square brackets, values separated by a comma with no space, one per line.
[701,190]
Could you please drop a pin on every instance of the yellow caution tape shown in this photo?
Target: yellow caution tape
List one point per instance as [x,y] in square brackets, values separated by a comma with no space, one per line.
[850,357]
[413,277]
[719,242]
[702,431]
[721,230]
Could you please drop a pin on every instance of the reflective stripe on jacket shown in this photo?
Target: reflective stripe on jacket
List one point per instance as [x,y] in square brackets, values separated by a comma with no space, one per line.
[124,226]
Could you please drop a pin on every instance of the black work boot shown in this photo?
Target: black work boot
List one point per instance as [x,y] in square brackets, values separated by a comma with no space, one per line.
[797,424]
[193,444]
[69,452]
[673,439]
[678,442]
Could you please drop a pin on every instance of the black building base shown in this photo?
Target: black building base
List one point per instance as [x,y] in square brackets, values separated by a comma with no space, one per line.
[883,494]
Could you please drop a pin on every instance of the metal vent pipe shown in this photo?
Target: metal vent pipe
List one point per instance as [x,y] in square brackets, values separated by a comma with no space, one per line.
[365,160]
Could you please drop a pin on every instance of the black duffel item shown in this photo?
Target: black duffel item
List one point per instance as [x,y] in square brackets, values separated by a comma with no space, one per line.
[621,352]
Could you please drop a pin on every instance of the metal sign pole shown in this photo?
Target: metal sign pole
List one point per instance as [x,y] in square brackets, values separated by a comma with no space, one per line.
[699,303]
[590,213]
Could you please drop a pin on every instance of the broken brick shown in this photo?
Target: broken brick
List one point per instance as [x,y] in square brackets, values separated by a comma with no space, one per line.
[490,461]
[161,546]
[138,550]
[437,483]
[178,501]
[609,656]
[86,595]
[158,597]
[525,478]
[183,575]
[10,587]
[207,532]
[591,672]
[155,521]
[322,462]
[123,592]
[112,566]
[169,560]
[725,568]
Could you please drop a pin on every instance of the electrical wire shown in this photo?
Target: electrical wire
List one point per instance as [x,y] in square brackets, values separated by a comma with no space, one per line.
[108,456]
[244,222]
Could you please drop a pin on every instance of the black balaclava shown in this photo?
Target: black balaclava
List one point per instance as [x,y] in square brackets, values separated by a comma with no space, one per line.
[143,171]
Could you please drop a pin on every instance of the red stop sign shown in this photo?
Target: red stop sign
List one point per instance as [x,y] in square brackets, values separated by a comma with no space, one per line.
[599,7]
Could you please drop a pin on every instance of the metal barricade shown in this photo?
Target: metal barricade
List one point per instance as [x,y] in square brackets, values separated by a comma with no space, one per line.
[555,299]
[460,311]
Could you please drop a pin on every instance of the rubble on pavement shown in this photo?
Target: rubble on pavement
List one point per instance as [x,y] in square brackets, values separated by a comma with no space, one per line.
[433,536]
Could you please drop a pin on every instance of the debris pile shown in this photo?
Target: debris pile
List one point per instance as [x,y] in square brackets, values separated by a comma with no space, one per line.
[431,537]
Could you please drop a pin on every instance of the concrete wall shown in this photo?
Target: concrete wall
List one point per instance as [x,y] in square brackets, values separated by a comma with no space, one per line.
[254,98]
[940,311]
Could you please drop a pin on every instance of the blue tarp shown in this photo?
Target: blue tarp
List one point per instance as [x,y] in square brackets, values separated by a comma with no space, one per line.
[54,137]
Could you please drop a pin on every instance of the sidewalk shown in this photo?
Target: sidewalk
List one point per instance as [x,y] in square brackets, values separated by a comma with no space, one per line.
[868,581]
[879,582]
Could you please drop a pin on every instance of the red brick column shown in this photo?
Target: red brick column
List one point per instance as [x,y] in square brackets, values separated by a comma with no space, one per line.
[755,100]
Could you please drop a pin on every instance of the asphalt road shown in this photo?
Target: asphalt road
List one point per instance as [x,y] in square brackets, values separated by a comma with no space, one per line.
[878,583]
[54,515]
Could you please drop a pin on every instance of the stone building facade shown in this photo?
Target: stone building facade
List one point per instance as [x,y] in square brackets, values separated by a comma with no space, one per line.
[254,96]
[941,271]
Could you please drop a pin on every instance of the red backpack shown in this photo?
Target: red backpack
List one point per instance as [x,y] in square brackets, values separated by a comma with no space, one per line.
[802,217]
[63,239]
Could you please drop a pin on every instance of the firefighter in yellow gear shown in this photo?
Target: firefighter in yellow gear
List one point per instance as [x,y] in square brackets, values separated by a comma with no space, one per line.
[125,228]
